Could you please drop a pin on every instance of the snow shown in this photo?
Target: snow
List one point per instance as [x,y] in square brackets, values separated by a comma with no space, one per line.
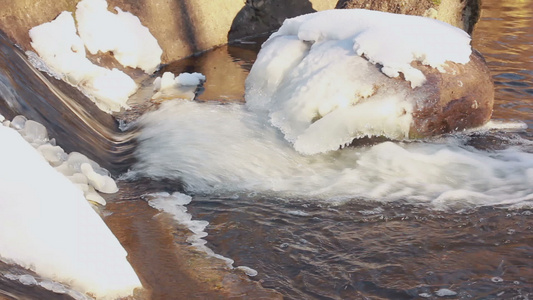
[52,230]
[63,52]
[326,78]
[86,174]
[122,33]
[182,86]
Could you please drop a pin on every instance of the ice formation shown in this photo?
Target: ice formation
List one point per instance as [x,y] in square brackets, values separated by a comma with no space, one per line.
[63,52]
[175,205]
[324,78]
[84,173]
[131,43]
[50,228]
[182,86]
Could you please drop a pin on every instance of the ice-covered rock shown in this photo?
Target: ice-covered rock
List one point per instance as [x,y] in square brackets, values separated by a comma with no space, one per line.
[327,78]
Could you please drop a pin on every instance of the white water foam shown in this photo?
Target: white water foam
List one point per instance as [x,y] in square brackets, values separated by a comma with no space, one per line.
[228,149]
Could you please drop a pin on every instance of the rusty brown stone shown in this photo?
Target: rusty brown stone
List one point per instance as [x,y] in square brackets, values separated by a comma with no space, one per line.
[460,13]
[458,99]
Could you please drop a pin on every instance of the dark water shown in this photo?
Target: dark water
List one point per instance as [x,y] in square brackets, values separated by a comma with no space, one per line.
[308,249]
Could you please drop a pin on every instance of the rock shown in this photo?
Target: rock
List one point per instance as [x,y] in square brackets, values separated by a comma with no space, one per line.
[458,99]
[460,13]
[182,27]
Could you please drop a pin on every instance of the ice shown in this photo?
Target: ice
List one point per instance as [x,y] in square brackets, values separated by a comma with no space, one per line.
[59,46]
[18,122]
[182,86]
[324,79]
[52,286]
[103,184]
[174,204]
[445,293]
[84,173]
[55,155]
[189,79]
[122,34]
[52,230]
[35,132]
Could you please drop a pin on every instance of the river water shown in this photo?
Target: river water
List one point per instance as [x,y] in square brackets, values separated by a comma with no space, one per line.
[308,238]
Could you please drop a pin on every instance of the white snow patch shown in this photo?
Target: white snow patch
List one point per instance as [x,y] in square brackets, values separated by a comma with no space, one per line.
[50,229]
[182,86]
[317,80]
[84,173]
[131,43]
[63,52]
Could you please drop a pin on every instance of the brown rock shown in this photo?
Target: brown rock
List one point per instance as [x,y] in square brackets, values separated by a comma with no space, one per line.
[458,99]
[460,13]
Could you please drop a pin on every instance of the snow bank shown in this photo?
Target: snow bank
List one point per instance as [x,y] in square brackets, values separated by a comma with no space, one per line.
[131,43]
[63,52]
[48,226]
[182,86]
[84,173]
[325,78]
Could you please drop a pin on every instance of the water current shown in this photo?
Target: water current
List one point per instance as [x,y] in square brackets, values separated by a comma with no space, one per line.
[447,218]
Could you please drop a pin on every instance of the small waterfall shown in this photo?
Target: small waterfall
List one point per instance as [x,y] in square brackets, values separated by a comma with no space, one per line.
[69,116]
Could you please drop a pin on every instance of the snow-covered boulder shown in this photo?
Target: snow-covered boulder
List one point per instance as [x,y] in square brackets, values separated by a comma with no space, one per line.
[327,78]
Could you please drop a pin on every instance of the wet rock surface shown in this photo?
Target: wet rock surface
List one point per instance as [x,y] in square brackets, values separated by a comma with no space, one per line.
[460,98]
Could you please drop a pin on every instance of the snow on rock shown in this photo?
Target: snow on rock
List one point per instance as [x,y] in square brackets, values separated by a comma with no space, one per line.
[63,52]
[131,43]
[50,228]
[326,78]
[390,40]
[182,86]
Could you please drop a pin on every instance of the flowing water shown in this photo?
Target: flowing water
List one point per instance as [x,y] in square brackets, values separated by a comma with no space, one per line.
[451,217]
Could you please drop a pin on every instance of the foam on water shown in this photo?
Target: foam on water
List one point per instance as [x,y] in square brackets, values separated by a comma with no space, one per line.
[175,205]
[228,149]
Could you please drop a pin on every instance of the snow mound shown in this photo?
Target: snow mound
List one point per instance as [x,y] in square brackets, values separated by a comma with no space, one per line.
[390,40]
[63,52]
[326,78]
[50,229]
[131,43]
[182,86]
